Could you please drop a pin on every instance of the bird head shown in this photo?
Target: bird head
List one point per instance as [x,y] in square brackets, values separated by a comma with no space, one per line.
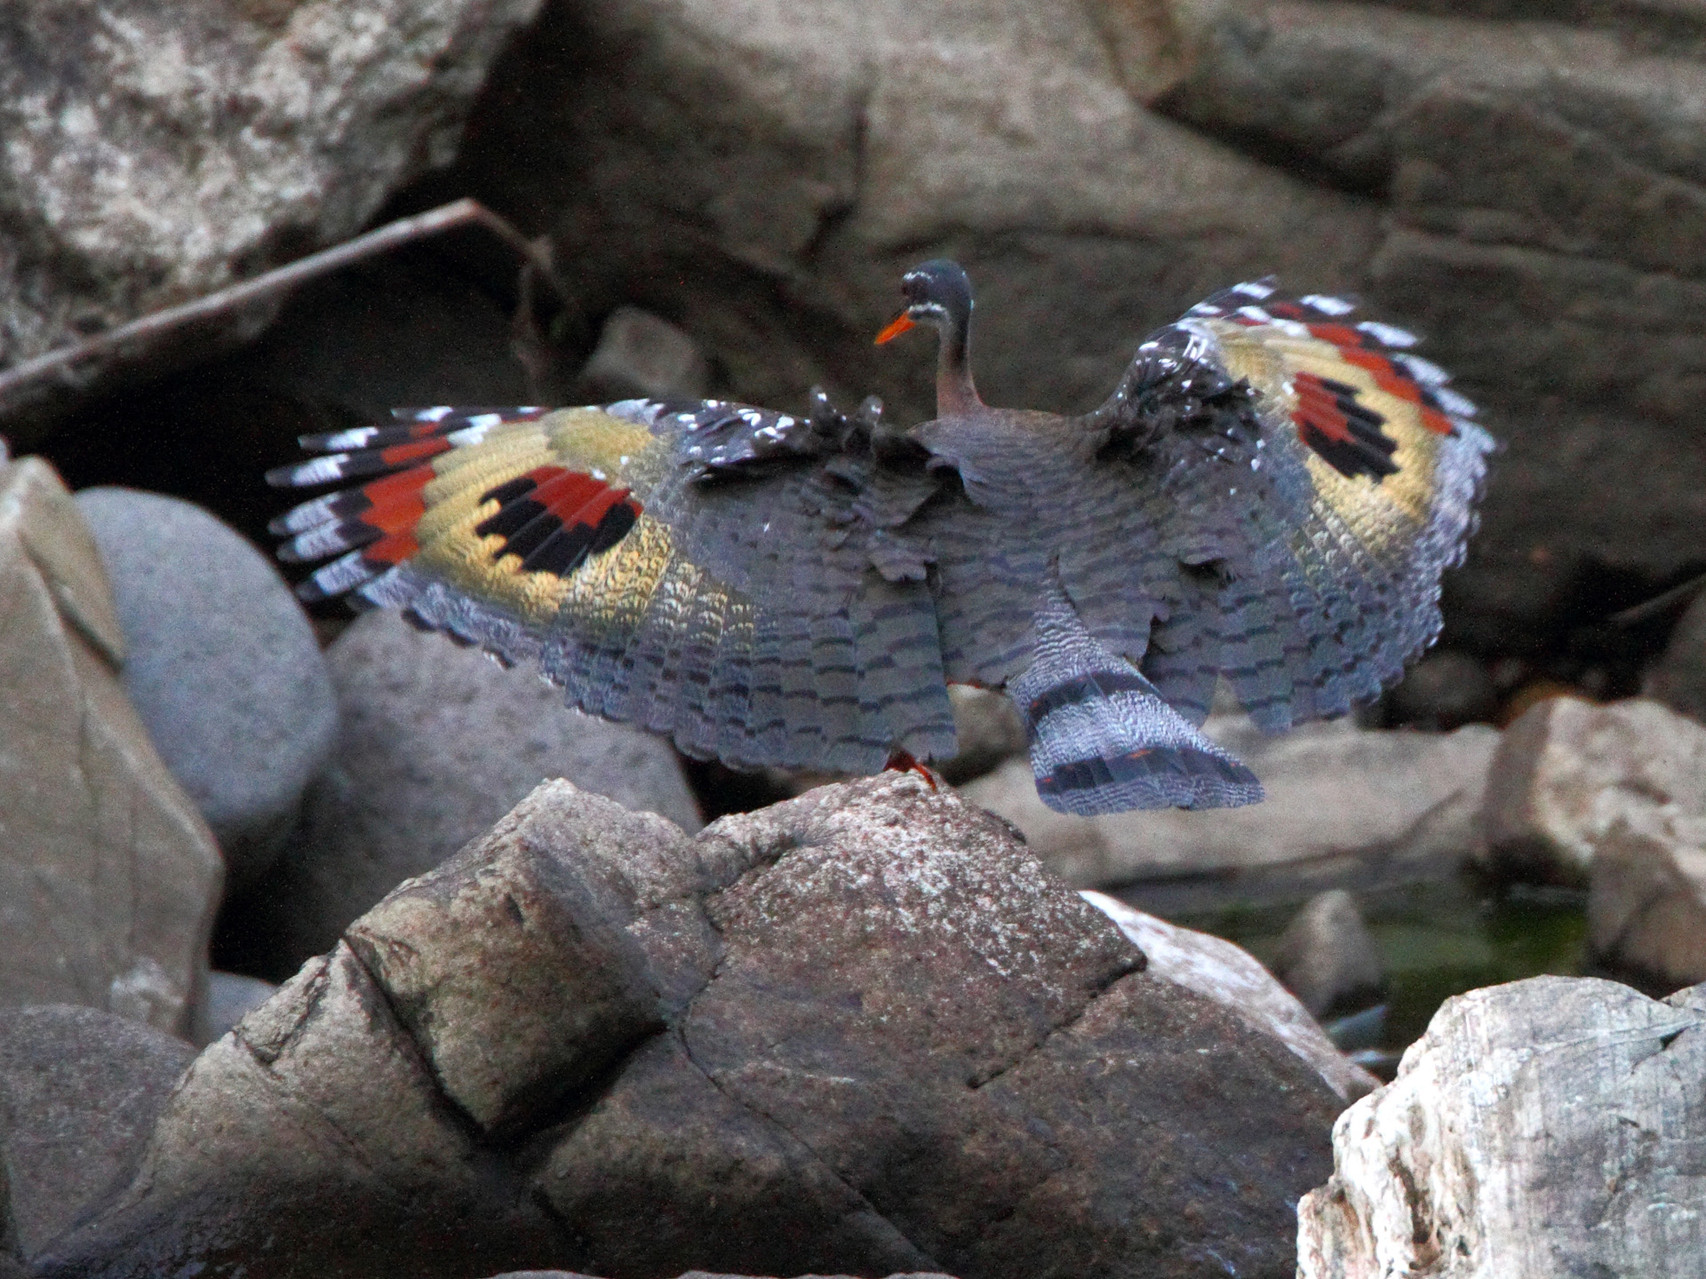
[937,291]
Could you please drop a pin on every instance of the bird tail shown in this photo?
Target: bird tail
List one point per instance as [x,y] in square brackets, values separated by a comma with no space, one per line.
[1103,740]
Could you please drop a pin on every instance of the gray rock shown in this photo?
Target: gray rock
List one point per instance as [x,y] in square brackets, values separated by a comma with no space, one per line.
[222,666]
[436,743]
[1326,956]
[128,185]
[1230,975]
[230,998]
[1337,796]
[1568,772]
[79,1093]
[859,1032]
[1647,897]
[108,877]
[641,354]
[1543,1128]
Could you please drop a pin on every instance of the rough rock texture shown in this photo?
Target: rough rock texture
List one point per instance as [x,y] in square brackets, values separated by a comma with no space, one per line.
[435,743]
[156,151]
[1567,772]
[79,1092]
[1550,1127]
[1544,177]
[108,877]
[1647,898]
[220,663]
[691,1274]
[859,1032]
[1335,793]
[1326,957]
[1230,975]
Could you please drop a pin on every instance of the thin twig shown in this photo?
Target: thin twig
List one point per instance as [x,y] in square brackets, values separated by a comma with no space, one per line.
[63,361]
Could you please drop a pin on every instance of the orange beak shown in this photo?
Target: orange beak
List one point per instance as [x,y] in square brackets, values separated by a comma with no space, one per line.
[901,324]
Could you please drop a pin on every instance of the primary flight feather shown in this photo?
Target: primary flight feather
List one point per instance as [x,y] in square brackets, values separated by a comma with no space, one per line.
[1268,497]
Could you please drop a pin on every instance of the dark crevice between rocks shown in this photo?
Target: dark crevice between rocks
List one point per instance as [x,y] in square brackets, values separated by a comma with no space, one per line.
[1367,182]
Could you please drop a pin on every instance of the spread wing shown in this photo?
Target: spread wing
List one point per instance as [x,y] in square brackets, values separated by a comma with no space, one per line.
[737,578]
[1301,480]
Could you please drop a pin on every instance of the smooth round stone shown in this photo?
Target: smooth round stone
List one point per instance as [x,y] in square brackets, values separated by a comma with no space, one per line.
[222,667]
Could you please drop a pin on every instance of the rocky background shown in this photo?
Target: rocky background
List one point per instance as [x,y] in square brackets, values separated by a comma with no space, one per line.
[307,974]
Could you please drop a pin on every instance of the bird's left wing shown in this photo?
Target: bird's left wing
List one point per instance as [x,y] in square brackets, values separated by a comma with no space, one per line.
[1293,482]
[738,578]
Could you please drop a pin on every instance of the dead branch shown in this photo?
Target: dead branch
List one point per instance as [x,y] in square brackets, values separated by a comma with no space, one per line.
[63,363]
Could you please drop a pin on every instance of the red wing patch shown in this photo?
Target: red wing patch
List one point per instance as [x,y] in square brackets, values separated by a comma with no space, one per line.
[554,518]
[1345,432]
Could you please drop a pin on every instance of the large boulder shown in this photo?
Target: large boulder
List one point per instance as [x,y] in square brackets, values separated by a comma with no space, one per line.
[108,877]
[1230,975]
[434,744]
[159,150]
[859,1032]
[79,1093]
[1337,796]
[1647,898]
[221,664]
[1567,773]
[1548,1128]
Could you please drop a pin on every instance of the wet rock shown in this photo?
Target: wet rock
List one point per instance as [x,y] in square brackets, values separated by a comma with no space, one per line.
[1678,678]
[108,876]
[1336,794]
[435,743]
[221,665]
[155,158]
[1326,956]
[230,997]
[79,1093]
[1647,898]
[1230,975]
[1546,1127]
[641,354]
[859,1032]
[1445,690]
[1567,772]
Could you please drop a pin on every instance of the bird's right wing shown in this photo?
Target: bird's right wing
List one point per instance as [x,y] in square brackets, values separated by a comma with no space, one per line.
[1297,481]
